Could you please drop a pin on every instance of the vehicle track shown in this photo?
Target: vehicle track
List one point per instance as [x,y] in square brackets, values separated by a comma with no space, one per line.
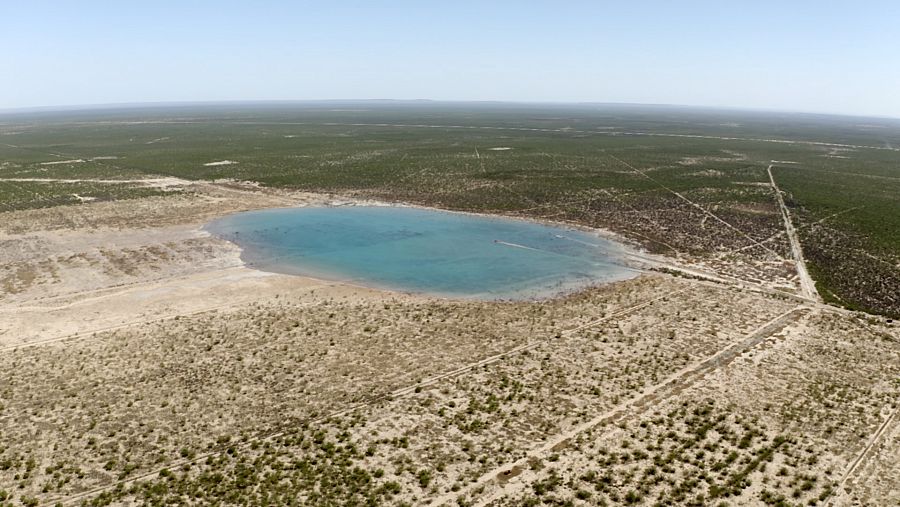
[397,393]
[633,407]
[697,206]
[622,133]
[139,322]
[807,285]
[782,233]
[854,466]
[103,293]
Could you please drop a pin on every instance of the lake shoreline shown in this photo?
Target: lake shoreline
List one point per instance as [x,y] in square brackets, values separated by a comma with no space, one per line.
[546,278]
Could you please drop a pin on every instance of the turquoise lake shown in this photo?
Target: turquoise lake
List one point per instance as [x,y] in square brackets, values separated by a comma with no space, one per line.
[424,251]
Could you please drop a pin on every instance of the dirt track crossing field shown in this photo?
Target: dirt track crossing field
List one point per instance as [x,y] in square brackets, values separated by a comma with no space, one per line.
[554,372]
[145,364]
[806,281]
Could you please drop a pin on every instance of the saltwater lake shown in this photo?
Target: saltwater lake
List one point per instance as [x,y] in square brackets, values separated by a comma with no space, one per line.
[424,251]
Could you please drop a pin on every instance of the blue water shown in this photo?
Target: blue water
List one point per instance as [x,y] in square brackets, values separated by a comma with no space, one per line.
[417,250]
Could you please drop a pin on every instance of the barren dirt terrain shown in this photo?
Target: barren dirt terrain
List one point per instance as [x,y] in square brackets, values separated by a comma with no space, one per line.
[145,364]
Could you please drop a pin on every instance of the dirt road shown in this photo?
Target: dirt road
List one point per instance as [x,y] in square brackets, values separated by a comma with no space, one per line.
[636,405]
[807,285]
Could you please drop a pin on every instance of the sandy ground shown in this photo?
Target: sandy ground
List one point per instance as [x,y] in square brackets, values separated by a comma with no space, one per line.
[136,344]
[128,263]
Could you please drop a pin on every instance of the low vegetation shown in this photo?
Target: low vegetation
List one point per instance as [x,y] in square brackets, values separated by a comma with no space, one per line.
[143,364]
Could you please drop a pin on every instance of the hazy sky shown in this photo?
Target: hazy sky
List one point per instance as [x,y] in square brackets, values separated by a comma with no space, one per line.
[824,56]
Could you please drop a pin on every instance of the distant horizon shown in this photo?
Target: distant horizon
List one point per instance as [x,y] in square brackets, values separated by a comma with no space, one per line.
[817,57]
[61,108]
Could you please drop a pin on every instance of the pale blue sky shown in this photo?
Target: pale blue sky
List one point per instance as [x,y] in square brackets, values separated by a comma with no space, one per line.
[821,56]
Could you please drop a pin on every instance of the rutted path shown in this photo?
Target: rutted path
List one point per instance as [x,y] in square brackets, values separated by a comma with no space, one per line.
[508,128]
[782,233]
[867,450]
[150,182]
[397,393]
[640,404]
[807,286]
[705,211]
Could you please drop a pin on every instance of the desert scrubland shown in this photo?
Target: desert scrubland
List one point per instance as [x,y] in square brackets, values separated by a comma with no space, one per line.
[145,364]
